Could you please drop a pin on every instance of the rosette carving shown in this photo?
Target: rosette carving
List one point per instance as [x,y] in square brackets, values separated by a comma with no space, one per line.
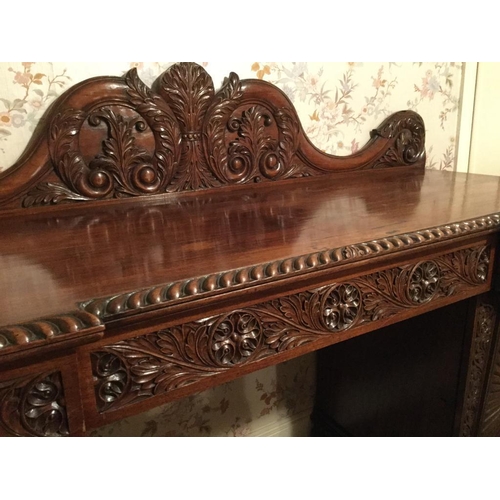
[235,337]
[423,282]
[341,307]
[163,361]
[160,362]
[34,406]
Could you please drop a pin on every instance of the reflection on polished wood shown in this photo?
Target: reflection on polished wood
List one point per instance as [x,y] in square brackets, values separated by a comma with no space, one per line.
[161,241]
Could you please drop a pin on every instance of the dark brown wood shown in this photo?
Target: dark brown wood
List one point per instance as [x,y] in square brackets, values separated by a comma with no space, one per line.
[115,137]
[157,242]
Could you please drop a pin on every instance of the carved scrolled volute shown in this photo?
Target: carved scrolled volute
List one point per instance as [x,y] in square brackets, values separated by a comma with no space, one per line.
[126,144]
[114,137]
[407,131]
[110,377]
[34,406]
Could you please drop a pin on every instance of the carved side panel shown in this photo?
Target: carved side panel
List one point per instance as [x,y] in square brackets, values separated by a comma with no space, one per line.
[490,419]
[33,406]
[159,362]
[484,326]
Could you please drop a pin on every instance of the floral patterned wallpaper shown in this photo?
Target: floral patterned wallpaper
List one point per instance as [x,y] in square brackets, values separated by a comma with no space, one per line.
[338,104]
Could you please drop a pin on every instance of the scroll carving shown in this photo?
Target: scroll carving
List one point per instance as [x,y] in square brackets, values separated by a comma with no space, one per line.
[34,406]
[123,168]
[472,267]
[481,344]
[408,132]
[156,363]
[116,138]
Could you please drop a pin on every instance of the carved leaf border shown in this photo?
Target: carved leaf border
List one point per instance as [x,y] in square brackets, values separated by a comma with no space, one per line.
[166,360]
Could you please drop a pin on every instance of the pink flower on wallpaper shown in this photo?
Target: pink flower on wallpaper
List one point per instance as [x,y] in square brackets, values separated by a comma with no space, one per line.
[430,85]
[36,103]
[23,79]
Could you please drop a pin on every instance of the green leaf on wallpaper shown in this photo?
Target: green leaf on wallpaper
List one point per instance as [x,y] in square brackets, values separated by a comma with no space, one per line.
[6,103]
[38,92]
[18,103]
[4,132]
[52,93]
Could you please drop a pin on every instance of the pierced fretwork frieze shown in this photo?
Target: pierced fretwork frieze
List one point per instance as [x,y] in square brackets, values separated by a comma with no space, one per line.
[34,406]
[156,363]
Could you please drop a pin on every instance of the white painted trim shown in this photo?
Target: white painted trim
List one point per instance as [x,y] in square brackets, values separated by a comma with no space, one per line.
[466,116]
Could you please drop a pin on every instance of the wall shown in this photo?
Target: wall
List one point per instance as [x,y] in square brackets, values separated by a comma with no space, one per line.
[485,143]
[338,104]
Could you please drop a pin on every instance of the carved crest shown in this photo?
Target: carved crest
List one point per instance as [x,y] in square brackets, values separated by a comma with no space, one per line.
[115,137]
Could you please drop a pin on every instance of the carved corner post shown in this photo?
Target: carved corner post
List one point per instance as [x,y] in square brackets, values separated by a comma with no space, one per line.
[481,401]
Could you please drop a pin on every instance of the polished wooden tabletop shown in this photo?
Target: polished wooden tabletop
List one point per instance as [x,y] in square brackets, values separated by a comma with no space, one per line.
[51,262]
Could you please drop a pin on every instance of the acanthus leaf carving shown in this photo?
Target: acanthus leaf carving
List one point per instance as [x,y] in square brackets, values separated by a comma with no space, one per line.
[188,90]
[184,136]
[162,361]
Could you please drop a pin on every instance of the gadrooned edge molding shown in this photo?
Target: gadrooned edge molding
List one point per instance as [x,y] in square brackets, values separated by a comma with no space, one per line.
[49,329]
[116,306]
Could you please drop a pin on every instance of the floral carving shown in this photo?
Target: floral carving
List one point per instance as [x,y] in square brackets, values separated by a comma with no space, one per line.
[424,282]
[111,375]
[34,406]
[188,90]
[163,361]
[235,338]
[341,307]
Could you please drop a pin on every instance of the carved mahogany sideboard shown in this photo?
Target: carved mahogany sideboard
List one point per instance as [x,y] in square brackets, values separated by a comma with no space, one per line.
[156,242]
